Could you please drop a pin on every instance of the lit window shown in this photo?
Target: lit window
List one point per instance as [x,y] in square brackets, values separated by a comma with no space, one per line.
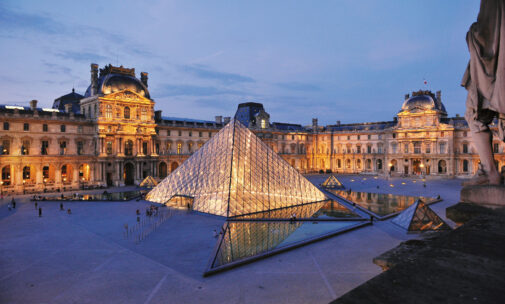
[263,124]
[127,113]
[80,147]
[108,111]
[44,147]
[26,127]
[25,147]
[6,147]
[179,148]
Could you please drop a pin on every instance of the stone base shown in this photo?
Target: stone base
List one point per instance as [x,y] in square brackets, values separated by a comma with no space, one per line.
[484,195]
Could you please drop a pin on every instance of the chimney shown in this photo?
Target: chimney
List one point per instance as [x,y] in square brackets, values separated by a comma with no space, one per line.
[94,79]
[407,96]
[68,107]
[439,96]
[143,78]
[219,119]
[314,123]
[33,105]
[338,122]
[157,115]
[227,120]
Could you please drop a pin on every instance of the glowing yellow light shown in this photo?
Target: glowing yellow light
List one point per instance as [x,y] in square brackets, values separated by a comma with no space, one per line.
[403,183]
[375,177]
[391,185]
[352,180]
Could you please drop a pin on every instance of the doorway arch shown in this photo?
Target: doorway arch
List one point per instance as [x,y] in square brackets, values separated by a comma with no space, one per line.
[173,166]
[129,172]
[162,170]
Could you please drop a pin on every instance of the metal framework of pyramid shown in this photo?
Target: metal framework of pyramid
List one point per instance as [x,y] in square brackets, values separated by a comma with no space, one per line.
[419,217]
[236,173]
[332,182]
[149,182]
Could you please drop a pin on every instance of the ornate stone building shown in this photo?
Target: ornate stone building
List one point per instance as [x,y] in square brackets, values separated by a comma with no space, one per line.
[113,136]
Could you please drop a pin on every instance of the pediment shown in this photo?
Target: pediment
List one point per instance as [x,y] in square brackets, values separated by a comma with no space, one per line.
[127,95]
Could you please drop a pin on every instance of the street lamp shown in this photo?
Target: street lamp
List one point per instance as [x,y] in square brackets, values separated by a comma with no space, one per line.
[24,181]
[45,181]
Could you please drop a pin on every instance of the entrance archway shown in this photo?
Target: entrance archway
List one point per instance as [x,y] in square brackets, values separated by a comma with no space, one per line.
[129,172]
[416,167]
[162,170]
[442,167]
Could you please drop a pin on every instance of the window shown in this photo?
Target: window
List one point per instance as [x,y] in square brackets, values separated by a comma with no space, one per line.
[44,128]
[394,148]
[369,148]
[263,124]
[369,136]
[200,144]
[465,165]
[358,149]
[359,137]
[339,163]
[348,138]
[495,148]
[144,147]
[417,147]
[144,114]
[406,148]
[64,173]
[26,173]
[190,133]
[45,173]
[210,134]
[428,148]
[26,127]
[96,111]
[44,147]
[179,148]
[465,148]
[442,148]
[84,111]
[190,147]
[127,113]
[80,147]
[168,132]
[180,133]
[169,147]
[441,134]
[157,148]
[200,134]
[6,126]
[63,128]
[79,129]
[25,147]
[108,111]
[379,148]
[63,147]
[6,147]
[108,147]
[128,147]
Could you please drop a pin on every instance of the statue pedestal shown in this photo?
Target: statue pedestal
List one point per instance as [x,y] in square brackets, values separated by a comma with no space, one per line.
[484,195]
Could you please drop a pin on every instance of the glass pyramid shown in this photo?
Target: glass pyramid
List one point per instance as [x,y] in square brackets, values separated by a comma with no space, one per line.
[149,182]
[235,173]
[419,217]
[332,182]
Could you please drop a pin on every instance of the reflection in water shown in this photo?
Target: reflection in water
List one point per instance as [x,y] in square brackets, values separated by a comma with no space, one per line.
[105,196]
[379,203]
[267,231]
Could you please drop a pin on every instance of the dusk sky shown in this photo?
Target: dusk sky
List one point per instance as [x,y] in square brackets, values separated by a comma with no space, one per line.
[351,61]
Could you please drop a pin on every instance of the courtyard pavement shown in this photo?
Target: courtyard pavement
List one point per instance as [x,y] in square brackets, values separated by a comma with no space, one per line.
[84,257]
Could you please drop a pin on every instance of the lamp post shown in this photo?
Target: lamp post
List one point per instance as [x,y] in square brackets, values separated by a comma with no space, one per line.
[422,169]
[390,165]
[44,181]
[24,181]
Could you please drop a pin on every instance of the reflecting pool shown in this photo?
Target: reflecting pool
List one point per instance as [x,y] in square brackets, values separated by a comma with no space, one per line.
[247,237]
[104,196]
[381,204]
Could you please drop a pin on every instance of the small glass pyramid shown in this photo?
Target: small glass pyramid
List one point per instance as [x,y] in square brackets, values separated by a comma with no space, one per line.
[236,173]
[149,182]
[332,182]
[419,217]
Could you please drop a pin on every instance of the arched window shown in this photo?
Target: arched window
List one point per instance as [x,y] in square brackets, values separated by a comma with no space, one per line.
[379,164]
[45,172]
[442,167]
[369,164]
[127,113]
[358,163]
[108,111]
[348,164]
[6,175]
[128,147]
[26,173]
[465,165]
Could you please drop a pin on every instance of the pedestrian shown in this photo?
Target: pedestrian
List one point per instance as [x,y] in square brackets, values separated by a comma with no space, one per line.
[40,212]
[13,203]
[138,212]
[215,233]
[371,219]
[69,211]
[61,207]
[9,206]
[36,205]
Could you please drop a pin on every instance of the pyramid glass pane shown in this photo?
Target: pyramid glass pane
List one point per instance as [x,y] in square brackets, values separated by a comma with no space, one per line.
[235,173]
[420,217]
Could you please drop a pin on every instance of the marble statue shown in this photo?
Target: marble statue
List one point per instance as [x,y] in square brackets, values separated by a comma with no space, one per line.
[484,80]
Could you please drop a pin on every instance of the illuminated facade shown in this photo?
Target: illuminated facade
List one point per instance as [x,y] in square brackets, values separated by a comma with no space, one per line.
[112,135]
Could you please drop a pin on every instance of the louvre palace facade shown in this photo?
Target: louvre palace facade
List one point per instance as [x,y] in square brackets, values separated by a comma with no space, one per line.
[113,136]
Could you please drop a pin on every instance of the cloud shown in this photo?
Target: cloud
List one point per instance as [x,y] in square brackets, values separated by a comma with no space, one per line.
[193,90]
[202,71]
[298,86]
[10,20]
[55,68]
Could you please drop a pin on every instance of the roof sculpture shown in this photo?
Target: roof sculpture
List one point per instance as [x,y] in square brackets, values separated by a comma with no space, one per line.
[149,182]
[419,217]
[236,173]
[332,182]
